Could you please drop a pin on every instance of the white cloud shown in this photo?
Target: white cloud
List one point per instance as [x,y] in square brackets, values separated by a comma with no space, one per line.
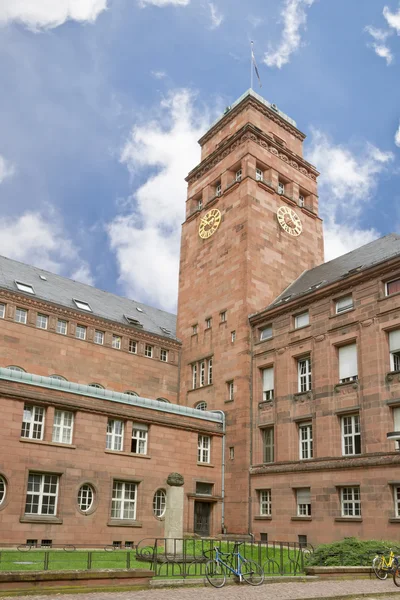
[379,46]
[6,169]
[393,19]
[397,137]
[162,3]
[33,239]
[158,74]
[340,238]
[216,16]
[47,14]
[294,18]
[146,241]
[254,20]
[378,34]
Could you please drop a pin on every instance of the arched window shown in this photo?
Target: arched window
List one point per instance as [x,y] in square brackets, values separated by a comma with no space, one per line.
[14,368]
[2,489]
[85,497]
[201,406]
[163,400]
[96,385]
[159,503]
[57,377]
[131,393]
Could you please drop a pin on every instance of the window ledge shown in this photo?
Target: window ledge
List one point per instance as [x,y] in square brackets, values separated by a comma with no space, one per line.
[196,389]
[303,395]
[41,519]
[394,520]
[299,328]
[123,523]
[121,453]
[393,375]
[346,384]
[305,518]
[387,297]
[202,464]
[263,518]
[346,519]
[228,401]
[344,312]
[44,443]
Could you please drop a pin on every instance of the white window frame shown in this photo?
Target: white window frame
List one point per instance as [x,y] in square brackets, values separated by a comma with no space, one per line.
[304,374]
[3,489]
[21,316]
[266,333]
[60,327]
[116,342]
[124,499]
[394,349]
[388,283]
[33,425]
[80,332]
[63,426]
[140,434]
[231,388]
[302,320]
[268,445]
[210,371]
[164,355]
[132,347]
[233,336]
[200,204]
[194,376]
[98,337]
[344,304]
[281,188]
[346,373]
[115,435]
[301,200]
[396,497]
[201,405]
[148,351]
[238,175]
[203,449]
[350,501]
[202,368]
[208,323]
[2,310]
[303,502]
[194,329]
[218,189]
[268,383]
[351,434]
[222,316]
[25,287]
[159,503]
[85,497]
[37,488]
[82,305]
[265,498]
[42,321]
[259,175]
[305,441]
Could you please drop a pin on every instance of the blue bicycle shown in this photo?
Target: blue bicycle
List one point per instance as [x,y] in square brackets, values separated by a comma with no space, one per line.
[233,562]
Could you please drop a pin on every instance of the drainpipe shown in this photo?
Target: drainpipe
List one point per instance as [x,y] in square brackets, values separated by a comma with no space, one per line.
[250,508]
[221,412]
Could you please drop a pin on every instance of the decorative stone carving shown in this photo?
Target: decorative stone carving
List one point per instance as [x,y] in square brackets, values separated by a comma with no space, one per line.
[320,338]
[175,480]
[367,323]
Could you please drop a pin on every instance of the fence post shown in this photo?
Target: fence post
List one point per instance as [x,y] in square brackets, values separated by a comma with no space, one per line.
[89,561]
[46,561]
[128,559]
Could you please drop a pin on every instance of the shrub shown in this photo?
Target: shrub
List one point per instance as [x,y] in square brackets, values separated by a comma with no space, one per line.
[350,552]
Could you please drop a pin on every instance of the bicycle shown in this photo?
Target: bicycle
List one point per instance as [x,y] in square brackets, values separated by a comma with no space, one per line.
[245,569]
[383,567]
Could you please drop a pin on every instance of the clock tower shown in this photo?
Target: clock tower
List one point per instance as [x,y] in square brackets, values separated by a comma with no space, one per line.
[251,228]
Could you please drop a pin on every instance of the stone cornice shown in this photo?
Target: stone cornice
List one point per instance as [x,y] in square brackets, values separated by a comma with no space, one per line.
[250,133]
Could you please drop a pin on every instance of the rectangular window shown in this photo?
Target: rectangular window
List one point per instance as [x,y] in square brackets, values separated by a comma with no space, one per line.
[222,316]
[204,489]
[115,435]
[303,498]
[33,422]
[396,424]
[41,494]
[350,501]
[199,203]
[396,492]
[238,175]
[268,442]
[392,287]
[164,355]
[42,321]
[194,376]
[259,175]
[266,333]
[203,449]
[306,441]
[62,327]
[2,311]
[80,332]
[139,438]
[268,384]
[233,336]
[116,342]
[210,371]
[25,287]
[194,329]
[230,390]
[301,200]
[82,305]
[302,320]
[99,337]
[208,323]
[148,351]
[344,304]
[63,426]
[348,369]
[281,188]
[304,374]
[123,504]
[132,347]
[351,435]
[218,189]
[21,315]
[265,503]
[202,373]
[394,348]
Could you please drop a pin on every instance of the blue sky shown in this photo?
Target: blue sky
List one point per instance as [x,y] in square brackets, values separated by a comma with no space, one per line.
[103,101]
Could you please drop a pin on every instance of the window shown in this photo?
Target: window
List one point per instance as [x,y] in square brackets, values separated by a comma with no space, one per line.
[139,438]
[208,323]
[2,311]
[33,422]
[201,406]
[16,369]
[303,498]
[202,373]
[80,332]
[194,376]
[233,336]
[132,348]
[344,304]
[210,371]
[85,497]
[123,505]
[97,386]
[305,441]
[2,489]
[204,489]
[268,444]
[133,321]
[348,370]
[82,305]
[265,503]
[159,503]
[350,501]
[41,494]
[115,435]
[203,449]
[199,203]
[394,348]
[301,200]
[218,189]
[194,329]
[21,315]
[259,175]
[57,377]
[24,287]
[304,374]
[148,351]
[131,393]
[302,320]
[222,316]
[164,355]
[231,452]
[230,387]
[116,342]
[392,287]
[99,337]
[266,333]
[63,426]
[396,492]
[268,384]
[238,175]
[351,435]
[61,327]
[281,188]
[42,321]
[163,400]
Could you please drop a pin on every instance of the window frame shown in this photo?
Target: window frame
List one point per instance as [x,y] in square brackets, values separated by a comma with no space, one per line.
[349,440]
[302,199]
[350,378]
[303,509]
[115,438]
[59,329]
[223,316]
[299,317]
[25,287]
[3,489]
[2,310]
[209,371]
[82,305]
[202,405]
[21,311]
[304,380]
[83,329]
[394,354]
[80,499]
[140,433]
[98,335]
[259,174]
[268,444]
[265,337]
[63,427]
[238,175]
[132,344]
[233,336]
[116,342]
[208,322]
[122,502]
[164,355]
[346,308]
[159,503]
[387,283]
[265,502]
[353,501]
[231,390]
[306,444]
[148,350]
[203,449]
[396,498]
[218,189]
[281,188]
[41,495]
[29,426]
[41,318]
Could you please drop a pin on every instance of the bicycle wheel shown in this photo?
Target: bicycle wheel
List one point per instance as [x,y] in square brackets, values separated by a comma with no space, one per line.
[379,567]
[215,573]
[252,573]
[396,575]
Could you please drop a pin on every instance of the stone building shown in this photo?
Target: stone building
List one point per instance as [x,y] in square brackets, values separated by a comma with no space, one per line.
[272,393]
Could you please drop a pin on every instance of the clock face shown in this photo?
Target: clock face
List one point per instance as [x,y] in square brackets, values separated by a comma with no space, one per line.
[289,221]
[209,223]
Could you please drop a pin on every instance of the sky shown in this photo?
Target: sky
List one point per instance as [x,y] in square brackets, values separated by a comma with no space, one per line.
[102,103]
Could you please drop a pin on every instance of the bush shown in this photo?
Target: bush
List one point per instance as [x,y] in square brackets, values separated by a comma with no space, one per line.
[350,552]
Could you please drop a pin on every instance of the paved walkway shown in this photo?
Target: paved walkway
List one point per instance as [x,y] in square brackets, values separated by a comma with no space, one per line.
[372,588]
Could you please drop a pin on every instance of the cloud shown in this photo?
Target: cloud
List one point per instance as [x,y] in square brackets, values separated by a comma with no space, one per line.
[254,20]
[294,18]
[33,239]
[158,74]
[47,14]
[162,3]
[397,137]
[340,238]
[146,239]
[6,169]
[379,46]
[393,19]
[216,16]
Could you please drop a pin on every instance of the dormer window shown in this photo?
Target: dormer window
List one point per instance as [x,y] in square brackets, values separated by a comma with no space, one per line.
[218,189]
[24,287]
[238,176]
[133,321]
[82,305]
[281,188]
[259,175]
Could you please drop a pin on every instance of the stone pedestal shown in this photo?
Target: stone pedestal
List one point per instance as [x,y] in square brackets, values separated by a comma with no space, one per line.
[174,514]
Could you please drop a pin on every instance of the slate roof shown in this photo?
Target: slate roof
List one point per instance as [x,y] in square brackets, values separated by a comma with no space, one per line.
[60,290]
[356,261]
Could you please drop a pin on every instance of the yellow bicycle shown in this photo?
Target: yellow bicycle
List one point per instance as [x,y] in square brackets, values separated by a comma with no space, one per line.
[383,567]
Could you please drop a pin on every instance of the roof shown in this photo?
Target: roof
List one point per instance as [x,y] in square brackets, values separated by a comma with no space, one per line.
[62,291]
[356,261]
